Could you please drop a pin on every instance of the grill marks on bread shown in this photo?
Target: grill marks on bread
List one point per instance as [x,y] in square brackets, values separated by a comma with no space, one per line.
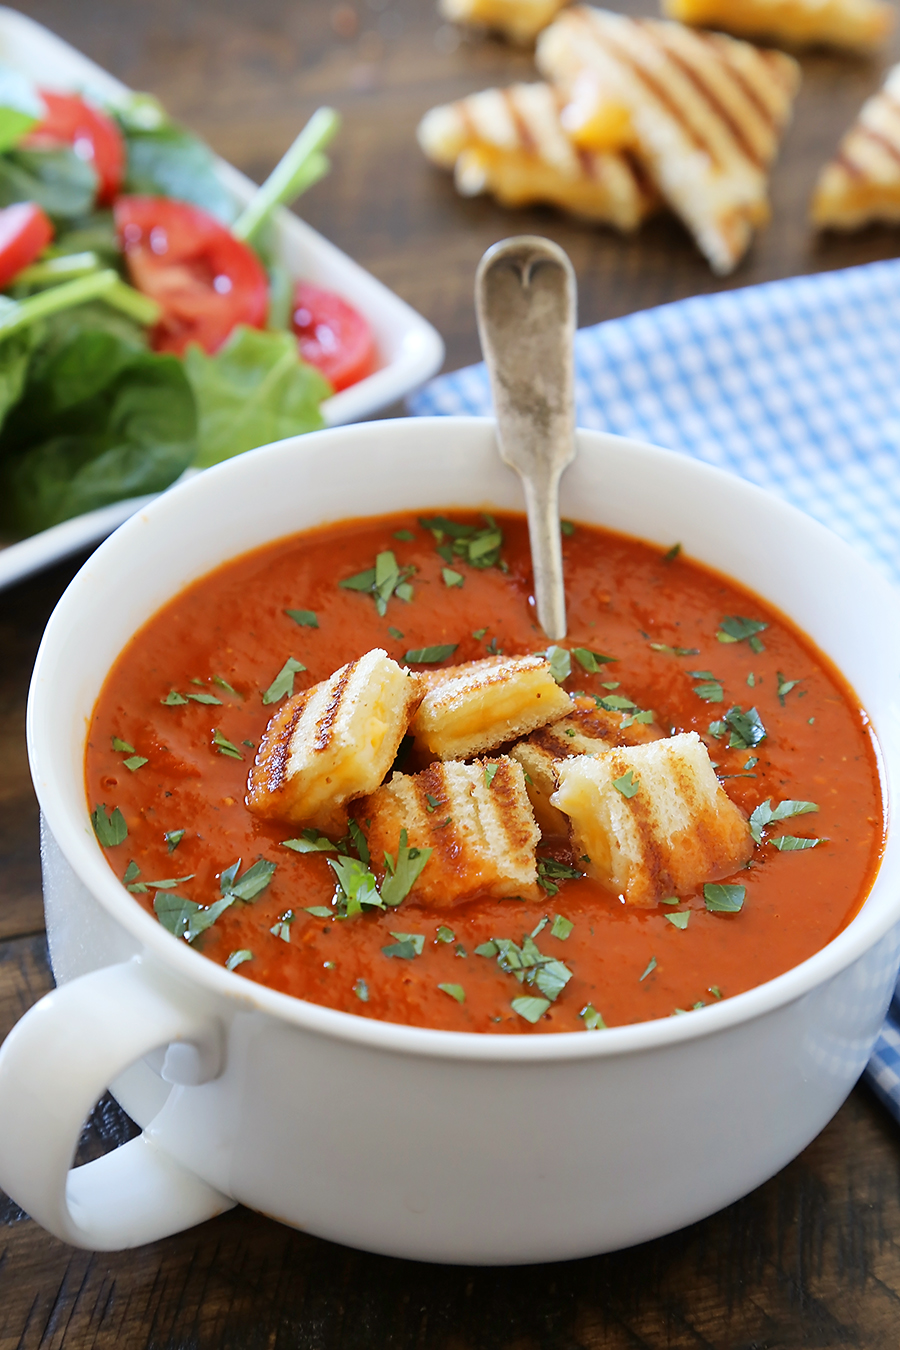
[511,143]
[861,183]
[707,113]
[677,831]
[483,835]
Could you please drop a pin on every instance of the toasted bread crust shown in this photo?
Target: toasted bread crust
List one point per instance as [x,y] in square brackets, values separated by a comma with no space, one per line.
[861,183]
[858,25]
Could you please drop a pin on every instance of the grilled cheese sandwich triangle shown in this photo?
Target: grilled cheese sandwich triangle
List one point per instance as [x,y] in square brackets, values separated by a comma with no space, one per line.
[859,25]
[862,182]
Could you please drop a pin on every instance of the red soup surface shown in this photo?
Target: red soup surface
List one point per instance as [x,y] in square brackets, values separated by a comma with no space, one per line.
[175,765]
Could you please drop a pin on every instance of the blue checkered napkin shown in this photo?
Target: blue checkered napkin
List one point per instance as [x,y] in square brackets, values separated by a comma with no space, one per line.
[794,385]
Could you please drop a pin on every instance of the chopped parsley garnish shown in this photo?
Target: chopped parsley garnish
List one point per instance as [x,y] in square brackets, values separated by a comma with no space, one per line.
[311,841]
[721,898]
[407,946]
[445,934]
[168,884]
[238,958]
[132,872]
[319,911]
[710,689]
[735,628]
[490,773]
[767,814]
[223,684]
[561,927]
[784,687]
[432,803]
[540,925]
[671,554]
[651,966]
[670,900]
[122,747]
[306,618]
[592,1020]
[674,651]
[488,949]
[359,840]
[405,536]
[207,698]
[283,684]
[430,656]
[479,546]
[454,990]
[173,699]
[110,829]
[401,876]
[560,663]
[529,965]
[357,887]
[790,843]
[492,649]
[746,728]
[382,581]
[251,884]
[395,634]
[225,746]
[591,661]
[452,578]
[549,868]
[282,926]
[479,633]
[715,991]
[628,785]
[532,1009]
[135,762]
[173,838]
[567,527]
[679,920]
[185,918]
[361,990]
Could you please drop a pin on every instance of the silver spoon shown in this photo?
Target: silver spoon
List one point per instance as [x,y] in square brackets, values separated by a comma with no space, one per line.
[525,300]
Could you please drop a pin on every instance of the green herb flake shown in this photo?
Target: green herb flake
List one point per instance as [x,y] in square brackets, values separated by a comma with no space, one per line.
[310,841]
[432,803]
[452,578]
[479,633]
[135,762]
[751,680]
[490,773]
[767,814]
[561,928]
[173,838]
[532,1009]
[710,689]
[721,898]
[549,870]
[540,925]
[319,911]
[454,990]
[400,877]
[567,527]
[132,872]
[790,843]
[405,536]
[173,699]
[671,554]
[122,747]
[306,618]
[746,728]
[283,684]
[674,651]
[751,762]
[238,958]
[488,949]
[184,918]
[715,991]
[282,926]
[679,920]
[593,1020]
[407,946]
[560,663]
[224,746]
[206,698]
[735,628]
[361,990]
[784,687]
[591,661]
[479,546]
[628,785]
[229,688]
[110,829]
[395,634]
[445,934]
[651,966]
[430,656]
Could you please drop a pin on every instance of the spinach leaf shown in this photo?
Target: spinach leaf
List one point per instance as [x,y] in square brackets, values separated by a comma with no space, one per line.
[64,185]
[98,422]
[254,390]
[166,160]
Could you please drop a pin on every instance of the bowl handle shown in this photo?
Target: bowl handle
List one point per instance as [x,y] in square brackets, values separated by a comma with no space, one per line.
[55,1065]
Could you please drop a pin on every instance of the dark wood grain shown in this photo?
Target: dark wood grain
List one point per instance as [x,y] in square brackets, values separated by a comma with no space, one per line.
[809,1261]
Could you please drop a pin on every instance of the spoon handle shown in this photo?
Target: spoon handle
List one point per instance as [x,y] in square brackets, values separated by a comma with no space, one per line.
[525,301]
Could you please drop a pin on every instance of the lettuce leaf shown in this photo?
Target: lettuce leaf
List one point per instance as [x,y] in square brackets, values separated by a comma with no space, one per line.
[252,391]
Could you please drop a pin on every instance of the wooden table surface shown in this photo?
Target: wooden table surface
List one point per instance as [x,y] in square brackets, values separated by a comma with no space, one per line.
[812,1259]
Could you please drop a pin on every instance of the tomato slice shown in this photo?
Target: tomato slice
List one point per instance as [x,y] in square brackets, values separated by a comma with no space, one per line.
[93,136]
[333,336]
[25,232]
[205,280]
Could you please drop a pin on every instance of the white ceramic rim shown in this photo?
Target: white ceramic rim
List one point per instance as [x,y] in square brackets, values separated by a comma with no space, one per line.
[88,861]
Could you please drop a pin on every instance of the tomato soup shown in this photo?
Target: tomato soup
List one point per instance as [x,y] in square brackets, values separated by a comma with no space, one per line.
[180,717]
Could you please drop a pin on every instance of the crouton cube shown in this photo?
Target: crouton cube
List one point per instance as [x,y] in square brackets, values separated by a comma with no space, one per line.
[475,818]
[653,819]
[333,742]
[588,730]
[473,708]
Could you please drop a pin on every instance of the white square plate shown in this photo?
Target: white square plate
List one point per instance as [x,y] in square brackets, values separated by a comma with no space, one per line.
[410,347]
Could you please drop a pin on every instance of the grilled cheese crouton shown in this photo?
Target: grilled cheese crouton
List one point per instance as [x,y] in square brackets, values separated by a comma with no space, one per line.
[706,112]
[476,819]
[588,730]
[333,742]
[653,819]
[862,182]
[511,143]
[859,25]
[474,707]
[518,20]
